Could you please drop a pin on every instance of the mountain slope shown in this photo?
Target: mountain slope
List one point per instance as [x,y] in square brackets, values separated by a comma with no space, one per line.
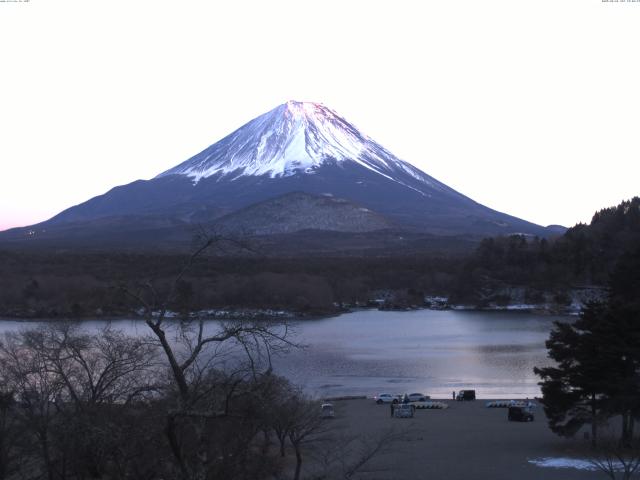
[296,147]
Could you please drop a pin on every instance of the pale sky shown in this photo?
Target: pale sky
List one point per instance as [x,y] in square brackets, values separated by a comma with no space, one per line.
[529,107]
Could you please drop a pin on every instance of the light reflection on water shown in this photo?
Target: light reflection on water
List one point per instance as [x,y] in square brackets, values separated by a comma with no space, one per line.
[435,352]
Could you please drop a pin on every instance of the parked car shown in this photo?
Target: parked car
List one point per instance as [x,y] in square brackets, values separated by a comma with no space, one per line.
[418,397]
[404,410]
[464,395]
[386,398]
[520,414]
[327,410]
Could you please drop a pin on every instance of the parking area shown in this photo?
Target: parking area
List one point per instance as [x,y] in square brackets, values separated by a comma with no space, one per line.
[467,440]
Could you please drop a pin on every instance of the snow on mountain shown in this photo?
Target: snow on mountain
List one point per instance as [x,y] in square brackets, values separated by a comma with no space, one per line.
[296,138]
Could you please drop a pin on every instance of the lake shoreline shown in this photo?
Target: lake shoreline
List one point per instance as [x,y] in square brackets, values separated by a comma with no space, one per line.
[268,314]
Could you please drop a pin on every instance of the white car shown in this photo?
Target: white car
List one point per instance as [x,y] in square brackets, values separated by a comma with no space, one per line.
[418,397]
[386,398]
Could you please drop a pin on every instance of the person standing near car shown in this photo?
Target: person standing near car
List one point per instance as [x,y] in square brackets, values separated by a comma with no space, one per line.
[391,406]
[453,394]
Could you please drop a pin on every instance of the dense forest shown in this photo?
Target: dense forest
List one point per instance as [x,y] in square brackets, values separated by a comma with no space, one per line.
[77,284]
[58,285]
[584,256]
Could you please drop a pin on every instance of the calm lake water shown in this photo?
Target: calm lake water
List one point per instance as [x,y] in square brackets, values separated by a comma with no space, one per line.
[434,352]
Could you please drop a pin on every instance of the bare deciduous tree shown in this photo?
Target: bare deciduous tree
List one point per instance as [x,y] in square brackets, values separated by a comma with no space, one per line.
[346,456]
[25,373]
[71,390]
[305,426]
[9,435]
[110,367]
[193,349]
[615,458]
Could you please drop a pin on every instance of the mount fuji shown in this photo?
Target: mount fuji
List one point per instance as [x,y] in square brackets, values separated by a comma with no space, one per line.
[301,165]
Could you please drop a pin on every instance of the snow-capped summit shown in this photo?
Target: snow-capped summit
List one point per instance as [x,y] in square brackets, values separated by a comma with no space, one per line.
[294,138]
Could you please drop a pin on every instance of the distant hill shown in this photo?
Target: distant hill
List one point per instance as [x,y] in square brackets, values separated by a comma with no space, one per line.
[298,211]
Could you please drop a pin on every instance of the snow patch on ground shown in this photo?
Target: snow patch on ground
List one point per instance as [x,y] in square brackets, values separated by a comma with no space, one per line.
[518,306]
[566,462]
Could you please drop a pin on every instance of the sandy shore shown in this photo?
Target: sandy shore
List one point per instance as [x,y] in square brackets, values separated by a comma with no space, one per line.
[465,441]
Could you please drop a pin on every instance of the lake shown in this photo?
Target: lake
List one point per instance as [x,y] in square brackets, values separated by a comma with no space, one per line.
[435,352]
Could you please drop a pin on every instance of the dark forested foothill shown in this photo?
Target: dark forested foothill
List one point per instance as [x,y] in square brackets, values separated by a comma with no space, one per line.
[548,269]
[500,271]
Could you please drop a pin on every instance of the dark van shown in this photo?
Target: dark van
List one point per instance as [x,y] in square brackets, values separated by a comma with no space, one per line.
[464,395]
[520,414]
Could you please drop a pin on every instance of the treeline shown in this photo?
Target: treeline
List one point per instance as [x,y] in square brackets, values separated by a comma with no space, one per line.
[91,284]
[584,255]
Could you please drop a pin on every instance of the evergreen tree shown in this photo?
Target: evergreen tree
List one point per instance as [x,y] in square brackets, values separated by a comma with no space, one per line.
[624,315]
[597,371]
[574,390]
